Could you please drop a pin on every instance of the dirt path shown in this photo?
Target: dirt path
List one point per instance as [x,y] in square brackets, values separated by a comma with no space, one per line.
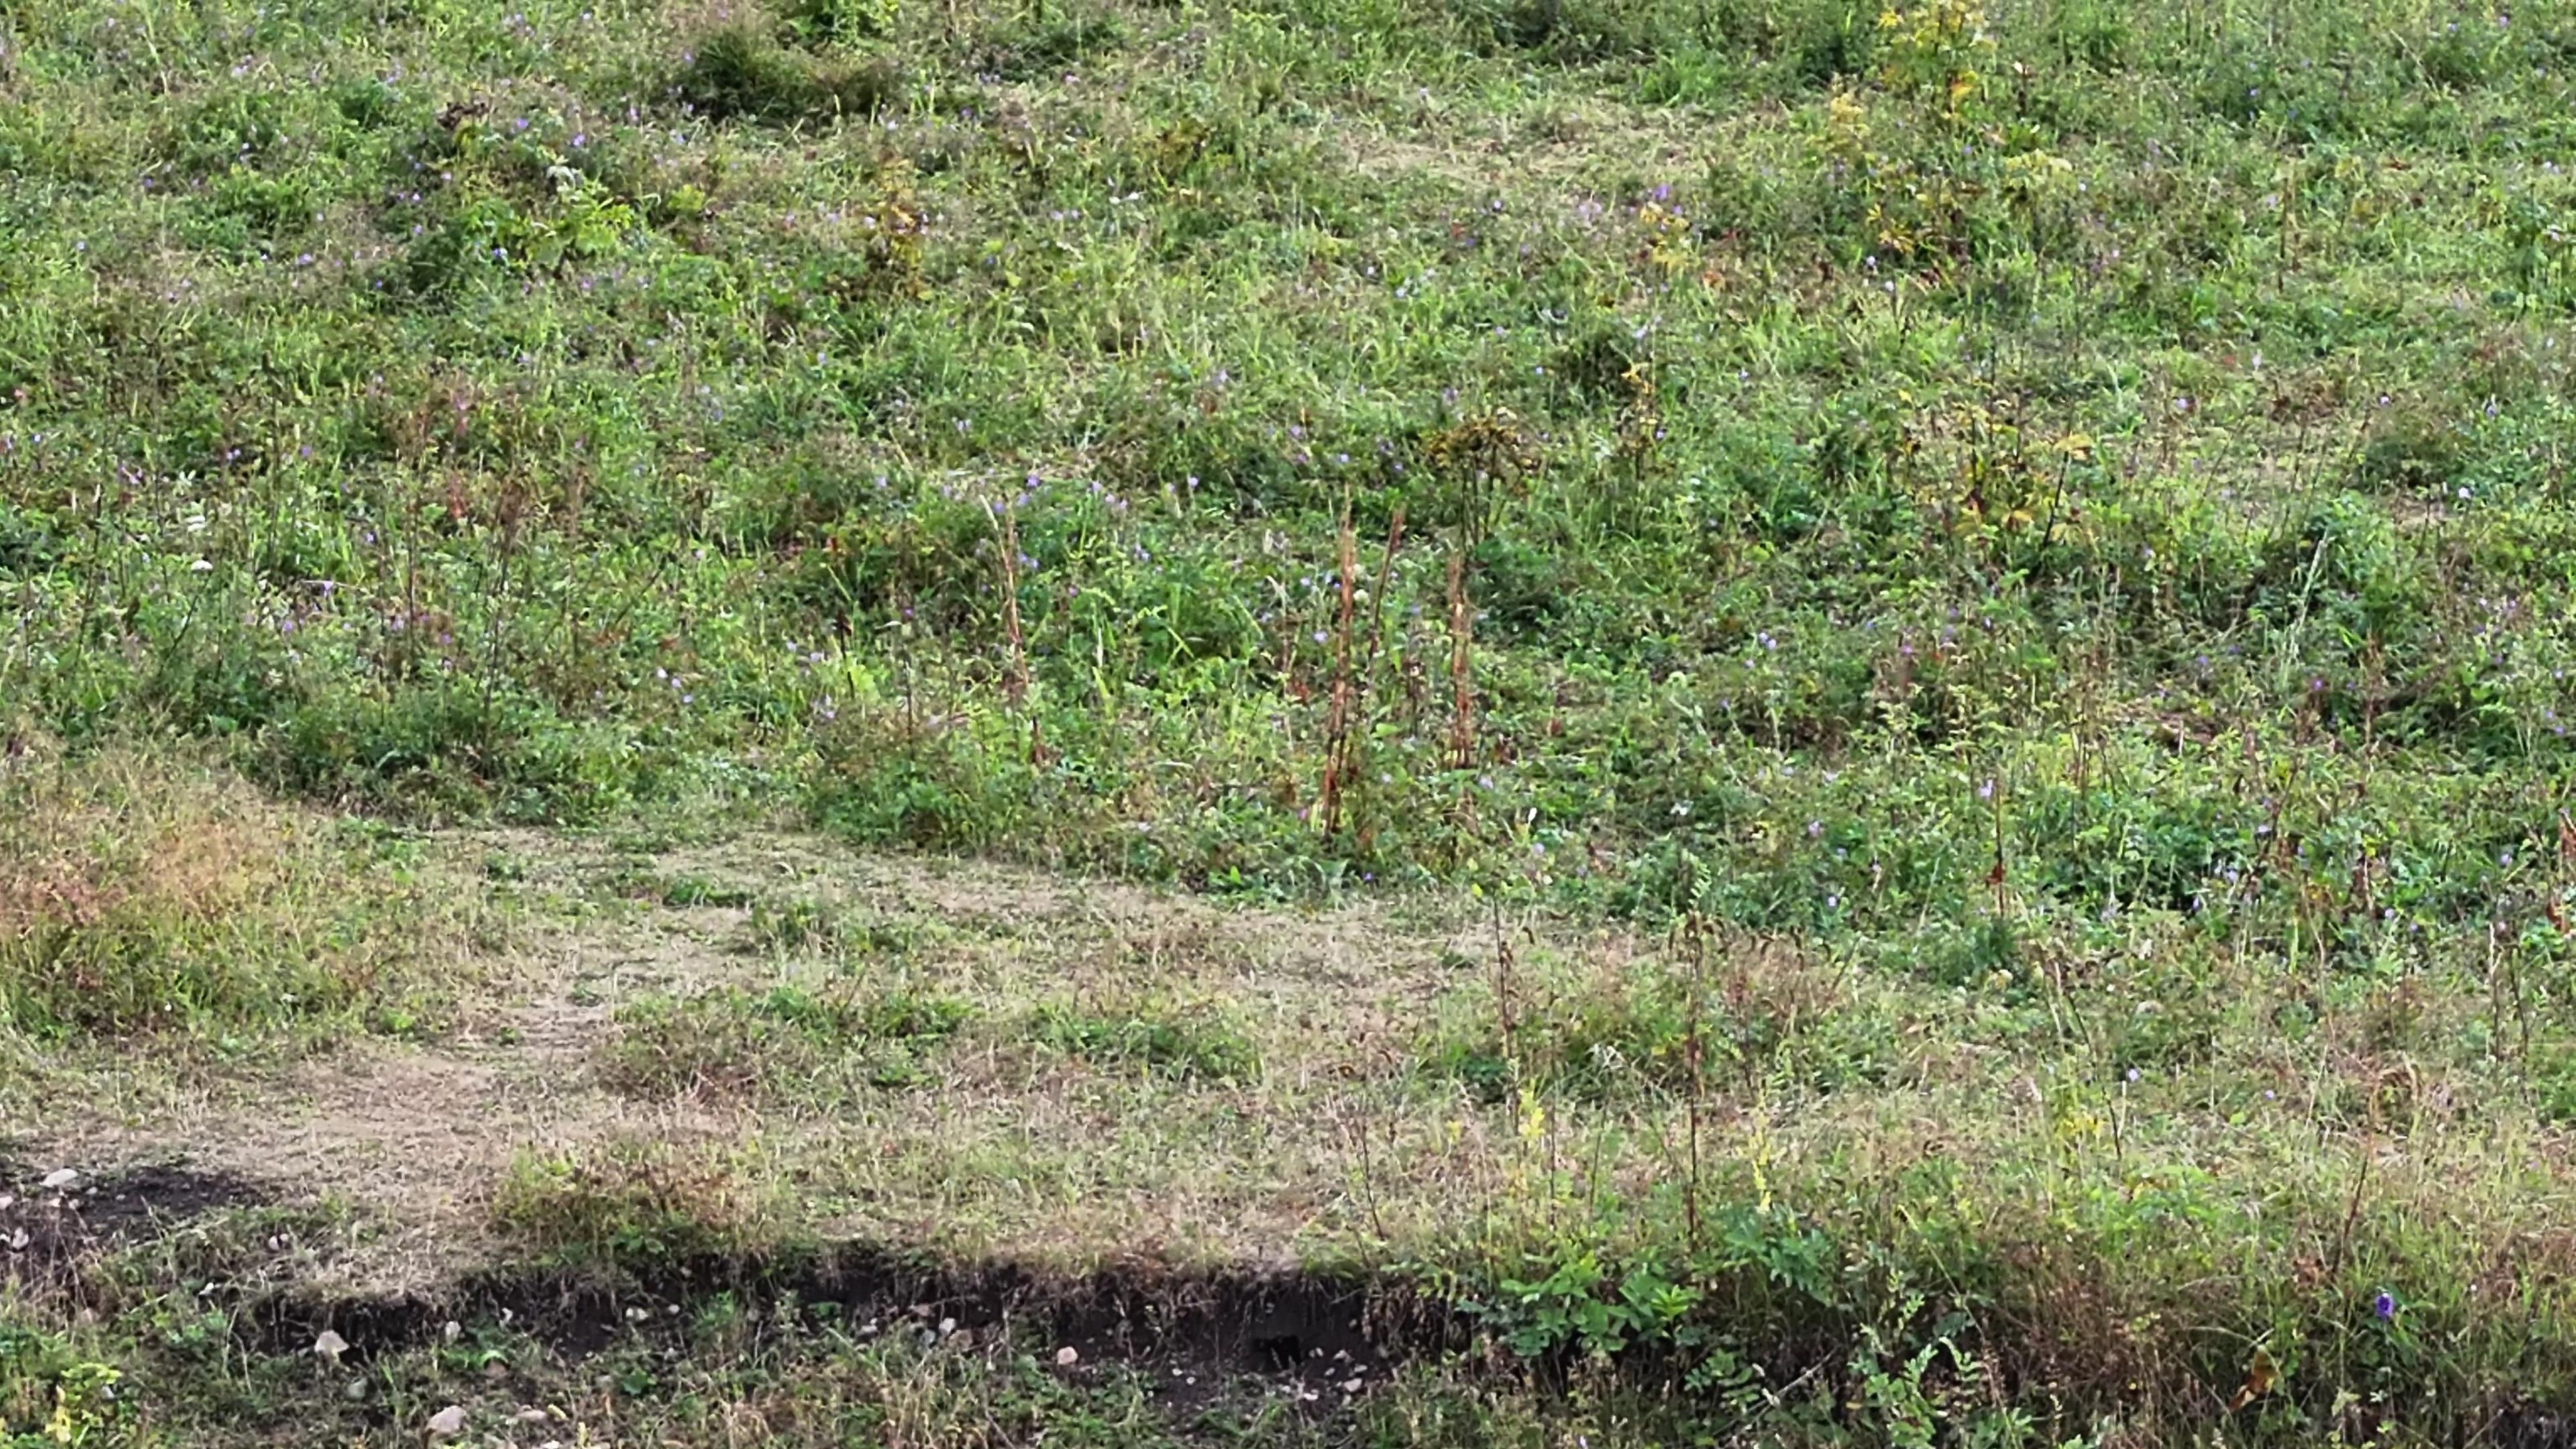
[1003,1147]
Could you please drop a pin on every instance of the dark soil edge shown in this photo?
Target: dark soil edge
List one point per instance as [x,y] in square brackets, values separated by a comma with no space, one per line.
[1189,1333]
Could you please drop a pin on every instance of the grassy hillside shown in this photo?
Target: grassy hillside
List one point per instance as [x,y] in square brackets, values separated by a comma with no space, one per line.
[2018,553]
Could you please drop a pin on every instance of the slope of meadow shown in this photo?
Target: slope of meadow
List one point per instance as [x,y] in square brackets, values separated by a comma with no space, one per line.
[1831,726]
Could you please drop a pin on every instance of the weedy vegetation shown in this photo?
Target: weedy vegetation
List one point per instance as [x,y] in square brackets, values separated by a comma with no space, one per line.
[1824,724]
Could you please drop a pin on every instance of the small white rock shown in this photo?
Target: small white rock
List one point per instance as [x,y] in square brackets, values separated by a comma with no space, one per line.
[447,1423]
[60,1178]
[947,1325]
[19,1240]
[1067,1356]
[8,1200]
[330,1345]
[1353,1386]
[532,1416]
[451,1330]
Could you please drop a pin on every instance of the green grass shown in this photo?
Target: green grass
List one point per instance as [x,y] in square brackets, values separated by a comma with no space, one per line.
[1181,1042]
[787,1043]
[2041,527]
[556,445]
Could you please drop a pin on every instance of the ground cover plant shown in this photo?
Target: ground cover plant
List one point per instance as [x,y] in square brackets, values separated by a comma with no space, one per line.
[1819,724]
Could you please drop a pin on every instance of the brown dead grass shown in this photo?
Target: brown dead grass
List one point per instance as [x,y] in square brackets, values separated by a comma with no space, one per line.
[160,896]
[120,836]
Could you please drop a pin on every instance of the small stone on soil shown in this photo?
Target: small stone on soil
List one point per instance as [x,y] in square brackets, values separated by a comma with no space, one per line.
[1067,1356]
[447,1423]
[330,1345]
[61,1178]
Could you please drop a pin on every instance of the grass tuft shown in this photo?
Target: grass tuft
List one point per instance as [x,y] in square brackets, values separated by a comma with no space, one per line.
[1174,1042]
[742,70]
[785,1045]
[628,1203]
[142,896]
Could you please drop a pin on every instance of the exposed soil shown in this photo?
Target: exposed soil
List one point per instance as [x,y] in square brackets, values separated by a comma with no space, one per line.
[1194,1337]
[46,1233]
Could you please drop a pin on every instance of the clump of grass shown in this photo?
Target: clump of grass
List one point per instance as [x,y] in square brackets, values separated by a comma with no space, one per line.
[783,1043]
[694,890]
[142,896]
[1035,45]
[631,1202]
[786,925]
[1591,1045]
[1181,1044]
[1601,1028]
[840,22]
[742,70]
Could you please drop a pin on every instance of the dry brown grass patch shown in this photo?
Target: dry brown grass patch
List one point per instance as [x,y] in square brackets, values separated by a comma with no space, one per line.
[117,836]
[145,893]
